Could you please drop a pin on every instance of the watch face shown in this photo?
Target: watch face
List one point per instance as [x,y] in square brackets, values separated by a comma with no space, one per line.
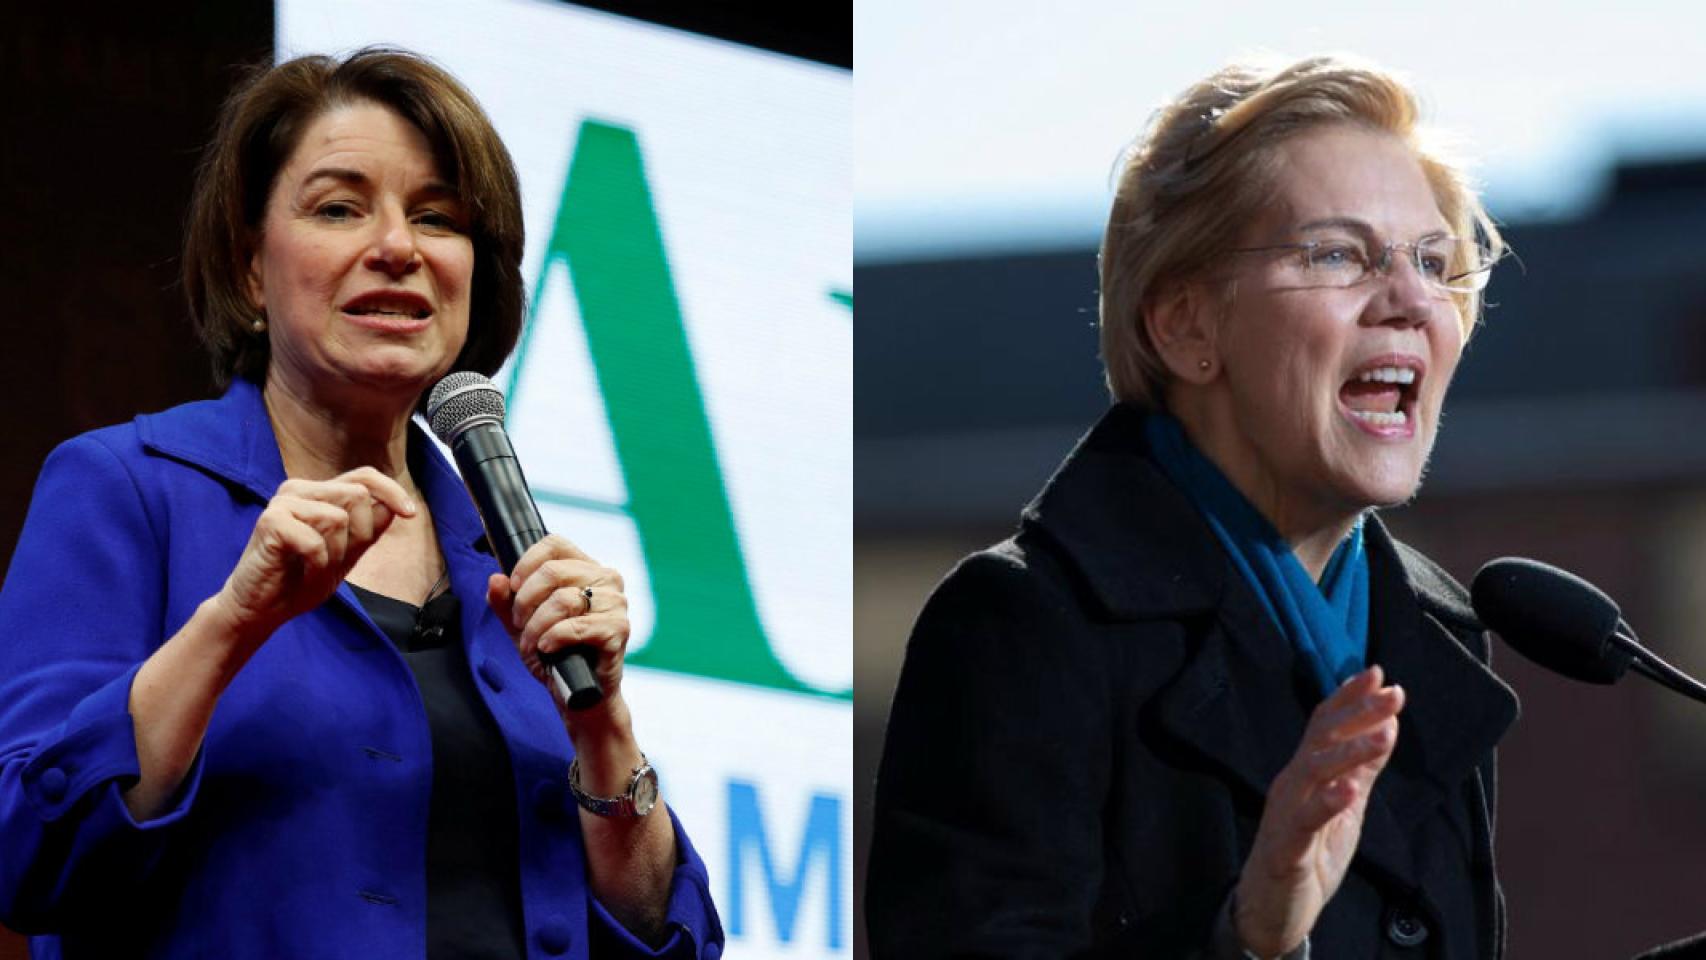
[646,792]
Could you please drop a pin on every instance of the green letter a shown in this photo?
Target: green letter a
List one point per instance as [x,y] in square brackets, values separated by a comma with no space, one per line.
[606,230]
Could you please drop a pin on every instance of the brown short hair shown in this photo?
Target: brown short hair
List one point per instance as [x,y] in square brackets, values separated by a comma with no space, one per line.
[259,127]
[1205,168]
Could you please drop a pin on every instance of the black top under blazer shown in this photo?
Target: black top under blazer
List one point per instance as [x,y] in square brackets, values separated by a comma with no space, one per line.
[1089,716]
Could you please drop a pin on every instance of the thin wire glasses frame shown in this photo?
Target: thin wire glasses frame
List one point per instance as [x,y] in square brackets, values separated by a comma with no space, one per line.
[1344,263]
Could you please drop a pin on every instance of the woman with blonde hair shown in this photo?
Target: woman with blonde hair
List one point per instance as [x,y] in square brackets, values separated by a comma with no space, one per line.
[1202,703]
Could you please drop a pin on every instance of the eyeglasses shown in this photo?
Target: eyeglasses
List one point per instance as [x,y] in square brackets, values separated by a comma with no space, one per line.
[1449,266]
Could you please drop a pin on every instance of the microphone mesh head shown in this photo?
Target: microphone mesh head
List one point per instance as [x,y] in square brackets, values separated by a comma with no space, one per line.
[460,400]
[1552,617]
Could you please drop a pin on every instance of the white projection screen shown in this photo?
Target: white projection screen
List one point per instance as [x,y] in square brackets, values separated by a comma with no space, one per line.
[682,403]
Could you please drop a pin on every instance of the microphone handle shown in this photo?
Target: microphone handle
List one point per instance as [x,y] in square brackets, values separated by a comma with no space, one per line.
[513,525]
[1650,665]
[574,668]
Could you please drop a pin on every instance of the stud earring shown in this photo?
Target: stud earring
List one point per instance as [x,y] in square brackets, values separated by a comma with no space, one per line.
[1204,365]
[259,326]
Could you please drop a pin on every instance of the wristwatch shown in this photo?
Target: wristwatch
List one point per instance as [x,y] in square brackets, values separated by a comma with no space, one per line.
[637,801]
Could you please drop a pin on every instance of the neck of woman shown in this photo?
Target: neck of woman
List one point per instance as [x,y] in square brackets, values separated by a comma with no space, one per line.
[1314,549]
[322,434]
[1312,524]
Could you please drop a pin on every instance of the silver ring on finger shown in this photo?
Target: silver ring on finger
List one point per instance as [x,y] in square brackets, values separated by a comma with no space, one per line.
[586,594]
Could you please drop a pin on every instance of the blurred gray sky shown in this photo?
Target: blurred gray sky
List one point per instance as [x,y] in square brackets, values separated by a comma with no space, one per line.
[950,156]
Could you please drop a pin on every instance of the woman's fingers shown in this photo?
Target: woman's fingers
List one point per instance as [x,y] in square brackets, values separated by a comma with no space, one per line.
[329,520]
[1350,738]
[537,592]
[1316,811]
[553,547]
[549,608]
[283,551]
[369,500]
[1363,715]
[1358,725]
[309,536]
[353,510]
[296,539]
[606,631]
[360,520]
[570,600]
[383,489]
[1341,776]
[1353,698]
[555,589]
[1332,762]
[499,596]
[1312,821]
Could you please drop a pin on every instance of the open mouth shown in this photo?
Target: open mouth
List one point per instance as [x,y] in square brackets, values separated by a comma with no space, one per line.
[385,312]
[394,306]
[1382,397]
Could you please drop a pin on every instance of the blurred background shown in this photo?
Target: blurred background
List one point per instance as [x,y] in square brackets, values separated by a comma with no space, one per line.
[736,118]
[987,134]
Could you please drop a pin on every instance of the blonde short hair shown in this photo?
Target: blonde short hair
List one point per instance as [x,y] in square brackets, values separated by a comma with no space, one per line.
[1206,167]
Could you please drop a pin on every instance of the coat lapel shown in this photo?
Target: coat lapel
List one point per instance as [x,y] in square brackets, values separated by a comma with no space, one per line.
[1146,554]
[232,438]
[1421,630]
[1241,700]
[1236,703]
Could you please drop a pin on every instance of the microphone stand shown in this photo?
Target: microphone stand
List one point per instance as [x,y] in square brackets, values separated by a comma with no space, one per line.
[1650,665]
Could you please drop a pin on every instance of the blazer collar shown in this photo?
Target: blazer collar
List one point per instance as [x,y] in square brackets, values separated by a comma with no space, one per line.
[1241,700]
[1138,541]
[232,439]
[1425,636]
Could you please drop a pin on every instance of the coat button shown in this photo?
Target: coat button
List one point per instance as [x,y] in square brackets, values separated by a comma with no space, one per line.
[555,935]
[53,783]
[489,673]
[1405,928]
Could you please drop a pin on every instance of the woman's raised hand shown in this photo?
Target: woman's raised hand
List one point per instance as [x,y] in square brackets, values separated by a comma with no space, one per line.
[307,539]
[1314,813]
[546,606]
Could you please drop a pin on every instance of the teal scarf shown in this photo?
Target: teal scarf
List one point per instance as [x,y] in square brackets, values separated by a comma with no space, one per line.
[1327,622]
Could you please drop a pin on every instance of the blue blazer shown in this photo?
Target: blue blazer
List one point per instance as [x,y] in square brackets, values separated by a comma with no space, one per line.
[301,829]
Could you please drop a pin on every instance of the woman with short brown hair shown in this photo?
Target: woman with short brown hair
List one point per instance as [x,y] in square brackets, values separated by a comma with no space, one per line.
[257,131]
[265,692]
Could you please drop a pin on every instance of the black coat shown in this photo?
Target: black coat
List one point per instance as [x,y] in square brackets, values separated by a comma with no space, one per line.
[1090,714]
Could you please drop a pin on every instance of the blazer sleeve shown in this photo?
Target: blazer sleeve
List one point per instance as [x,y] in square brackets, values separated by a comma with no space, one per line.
[987,838]
[82,606]
[695,933]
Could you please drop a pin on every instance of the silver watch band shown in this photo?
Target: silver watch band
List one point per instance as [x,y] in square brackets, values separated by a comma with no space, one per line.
[636,801]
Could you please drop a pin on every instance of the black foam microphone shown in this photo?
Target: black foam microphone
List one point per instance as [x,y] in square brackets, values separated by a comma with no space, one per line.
[466,411]
[1567,625]
[1552,617]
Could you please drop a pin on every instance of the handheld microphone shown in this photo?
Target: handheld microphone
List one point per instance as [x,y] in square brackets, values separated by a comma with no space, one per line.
[1567,625]
[466,411]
